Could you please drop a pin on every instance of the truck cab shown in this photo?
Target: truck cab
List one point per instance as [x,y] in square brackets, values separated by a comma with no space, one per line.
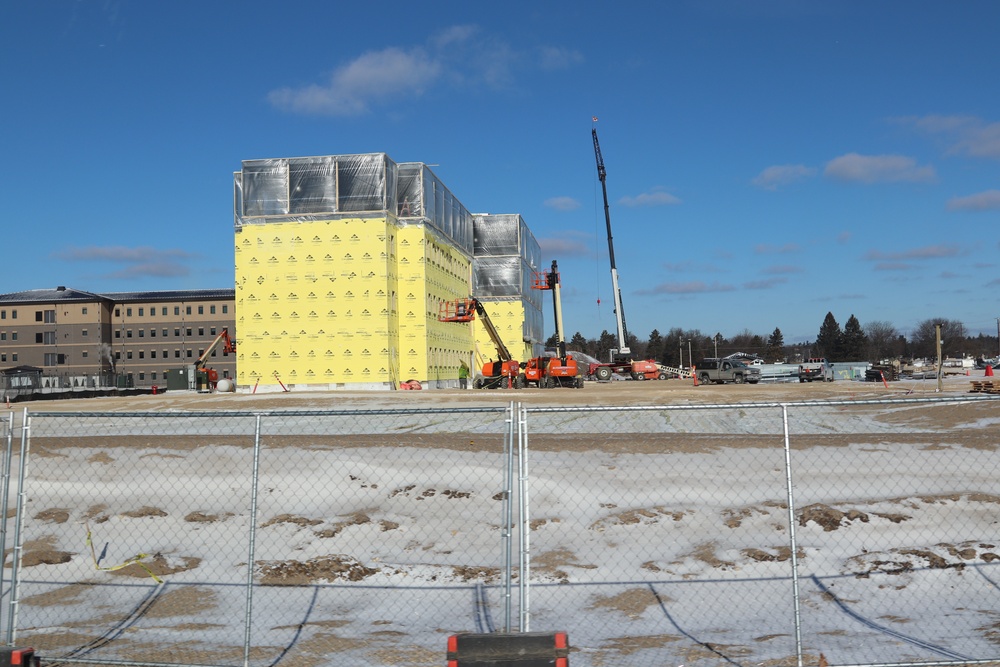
[816,369]
[721,371]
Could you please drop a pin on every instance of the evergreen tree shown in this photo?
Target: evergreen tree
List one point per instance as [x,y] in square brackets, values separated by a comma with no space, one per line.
[829,340]
[605,344]
[854,340]
[775,350]
[578,342]
[654,348]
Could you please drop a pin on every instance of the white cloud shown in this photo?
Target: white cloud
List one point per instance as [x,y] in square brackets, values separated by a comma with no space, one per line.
[982,201]
[556,58]
[460,56]
[563,247]
[782,174]
[561,203]
[139,262]
[877,169]
[926,252]
[374,76]
[691,287]
[768,249]
[764,284]
[782,269]
[658,196]
[966,135]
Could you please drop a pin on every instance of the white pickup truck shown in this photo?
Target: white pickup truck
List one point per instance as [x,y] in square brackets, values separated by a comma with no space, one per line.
[816,369]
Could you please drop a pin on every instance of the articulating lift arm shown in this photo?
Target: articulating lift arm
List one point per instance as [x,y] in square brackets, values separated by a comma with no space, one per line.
[623,348]
[484,317]
[222,337]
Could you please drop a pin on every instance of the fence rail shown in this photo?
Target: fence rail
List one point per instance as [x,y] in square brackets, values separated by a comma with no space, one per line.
[747,534]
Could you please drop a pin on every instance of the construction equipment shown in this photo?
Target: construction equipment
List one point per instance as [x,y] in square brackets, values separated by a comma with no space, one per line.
[502,374]
[620,359]
[206,378]
[560,370]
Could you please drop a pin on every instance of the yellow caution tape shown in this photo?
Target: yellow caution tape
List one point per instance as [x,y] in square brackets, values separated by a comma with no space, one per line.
[134,560]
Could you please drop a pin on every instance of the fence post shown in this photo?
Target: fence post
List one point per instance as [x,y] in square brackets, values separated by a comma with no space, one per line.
[524,624]
[253,537]
[791,536]
[15,565]
[507,520]
[8,454]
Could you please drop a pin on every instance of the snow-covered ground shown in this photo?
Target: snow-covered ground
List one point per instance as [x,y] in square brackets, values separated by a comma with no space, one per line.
[654,536]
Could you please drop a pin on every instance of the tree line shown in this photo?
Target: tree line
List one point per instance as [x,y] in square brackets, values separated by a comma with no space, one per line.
[873,342]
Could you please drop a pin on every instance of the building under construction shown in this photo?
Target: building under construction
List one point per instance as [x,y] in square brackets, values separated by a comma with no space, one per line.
[343,263]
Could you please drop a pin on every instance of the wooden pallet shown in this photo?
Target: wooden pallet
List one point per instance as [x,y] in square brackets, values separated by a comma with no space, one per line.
[985,387]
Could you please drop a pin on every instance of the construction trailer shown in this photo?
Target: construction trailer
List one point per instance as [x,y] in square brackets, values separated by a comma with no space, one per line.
[342,262]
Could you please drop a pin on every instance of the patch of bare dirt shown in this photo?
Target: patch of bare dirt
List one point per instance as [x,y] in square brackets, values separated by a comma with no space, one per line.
[633,602]
[144,512]
[54,515]
[829,518]
[645,516]
[41,551]
[158,565]
[292,519]
[705,553]
[64,596]
[100,457]
[182,601]
[202,517]
[325,568]
[356,519]
[772,554]
[486,575]
[907,559]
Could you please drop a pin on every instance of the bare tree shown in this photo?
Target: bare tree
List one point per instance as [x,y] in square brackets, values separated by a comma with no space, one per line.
[881,339]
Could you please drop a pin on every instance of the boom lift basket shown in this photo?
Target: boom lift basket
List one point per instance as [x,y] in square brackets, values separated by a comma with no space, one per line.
[459,310]
[541,280]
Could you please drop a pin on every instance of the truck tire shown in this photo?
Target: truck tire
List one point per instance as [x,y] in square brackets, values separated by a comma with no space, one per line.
[578,382]
[519,382]
[636,376]
[704,379]
[662,376]
[738,378]
[477,383]
[603,373]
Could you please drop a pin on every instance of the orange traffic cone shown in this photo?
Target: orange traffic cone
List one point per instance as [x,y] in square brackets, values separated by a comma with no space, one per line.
[694,374]
[989,371]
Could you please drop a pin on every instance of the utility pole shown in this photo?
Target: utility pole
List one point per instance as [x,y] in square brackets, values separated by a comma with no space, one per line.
[998,337]
[937,338]
[681,345]
[690,358]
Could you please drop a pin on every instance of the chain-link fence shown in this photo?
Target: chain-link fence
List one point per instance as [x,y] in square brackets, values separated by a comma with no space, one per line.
[747,534]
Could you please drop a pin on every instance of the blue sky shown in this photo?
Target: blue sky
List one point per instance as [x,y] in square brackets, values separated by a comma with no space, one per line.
[767,162]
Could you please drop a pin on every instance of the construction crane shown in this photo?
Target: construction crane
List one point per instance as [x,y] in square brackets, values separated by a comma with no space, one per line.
[621,359]
[504,373]
[623,351]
